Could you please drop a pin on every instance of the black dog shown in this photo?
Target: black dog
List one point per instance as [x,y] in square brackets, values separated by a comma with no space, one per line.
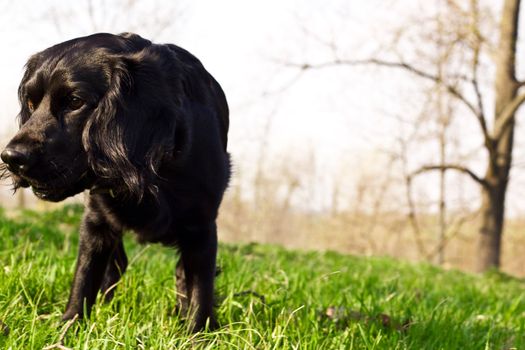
[143,127]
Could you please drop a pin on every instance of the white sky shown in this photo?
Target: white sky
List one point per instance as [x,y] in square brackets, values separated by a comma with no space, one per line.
[343,115]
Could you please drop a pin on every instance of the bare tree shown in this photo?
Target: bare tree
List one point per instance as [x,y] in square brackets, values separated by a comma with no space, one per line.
[466,90]
[500,144]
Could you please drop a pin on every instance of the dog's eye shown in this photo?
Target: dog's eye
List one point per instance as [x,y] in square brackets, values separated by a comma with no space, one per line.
[30,106]
[75,103]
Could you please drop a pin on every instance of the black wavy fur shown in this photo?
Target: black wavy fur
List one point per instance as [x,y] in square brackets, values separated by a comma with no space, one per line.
[143,127]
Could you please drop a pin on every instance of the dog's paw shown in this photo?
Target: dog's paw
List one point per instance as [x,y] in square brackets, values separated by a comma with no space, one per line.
[71,315]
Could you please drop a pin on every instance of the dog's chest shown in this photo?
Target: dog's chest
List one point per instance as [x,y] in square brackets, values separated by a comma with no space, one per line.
[151,222]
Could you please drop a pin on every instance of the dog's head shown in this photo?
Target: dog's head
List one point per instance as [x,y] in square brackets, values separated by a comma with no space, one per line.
[95,112]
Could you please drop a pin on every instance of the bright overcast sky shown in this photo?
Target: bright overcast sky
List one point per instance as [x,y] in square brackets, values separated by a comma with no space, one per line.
[239,42]
[342,115]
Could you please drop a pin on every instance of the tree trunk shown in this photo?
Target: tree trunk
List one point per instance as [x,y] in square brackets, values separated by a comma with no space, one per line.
[492,211]
[500,156]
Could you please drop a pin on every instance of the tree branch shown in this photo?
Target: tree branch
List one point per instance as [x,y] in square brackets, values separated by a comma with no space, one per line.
[476,48]
[453,232]
[412,217]
[504,119]
[456,167]
[477,111]
[481,110]
[481,118]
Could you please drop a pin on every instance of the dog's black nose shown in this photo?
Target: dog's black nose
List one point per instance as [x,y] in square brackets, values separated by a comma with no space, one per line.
[16,158]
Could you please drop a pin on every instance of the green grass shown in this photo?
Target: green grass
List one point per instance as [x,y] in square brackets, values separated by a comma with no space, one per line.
[270,298]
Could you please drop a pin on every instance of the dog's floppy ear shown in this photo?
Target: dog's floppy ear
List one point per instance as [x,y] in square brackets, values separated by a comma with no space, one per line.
[134,125]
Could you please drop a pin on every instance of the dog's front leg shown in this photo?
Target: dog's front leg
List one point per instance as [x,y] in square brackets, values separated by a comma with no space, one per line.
[198,256]
[115,268]
[97,241]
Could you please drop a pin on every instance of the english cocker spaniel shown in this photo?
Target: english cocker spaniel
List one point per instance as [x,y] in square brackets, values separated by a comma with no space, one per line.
[143,127]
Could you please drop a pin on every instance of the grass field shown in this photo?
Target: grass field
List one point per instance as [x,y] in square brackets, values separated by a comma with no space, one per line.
[269,298]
